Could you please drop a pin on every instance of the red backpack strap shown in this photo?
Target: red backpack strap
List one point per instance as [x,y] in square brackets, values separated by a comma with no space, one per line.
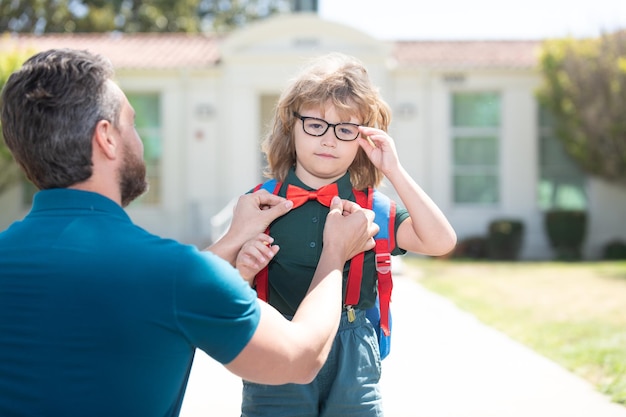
[261,281]
[385,242]
[384,209]
[355,274]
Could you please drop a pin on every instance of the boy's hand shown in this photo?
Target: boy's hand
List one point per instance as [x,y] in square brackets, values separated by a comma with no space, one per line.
[380,148]
[254,255]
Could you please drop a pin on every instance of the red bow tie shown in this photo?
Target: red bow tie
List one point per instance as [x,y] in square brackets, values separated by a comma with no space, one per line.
[300,196]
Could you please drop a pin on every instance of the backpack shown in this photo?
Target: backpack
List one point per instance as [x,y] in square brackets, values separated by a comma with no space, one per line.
[385,214]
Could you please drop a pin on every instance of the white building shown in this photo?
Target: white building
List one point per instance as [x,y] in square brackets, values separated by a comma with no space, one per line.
[466,123]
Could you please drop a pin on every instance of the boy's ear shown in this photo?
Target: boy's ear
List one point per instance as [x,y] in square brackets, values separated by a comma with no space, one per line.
[104,141]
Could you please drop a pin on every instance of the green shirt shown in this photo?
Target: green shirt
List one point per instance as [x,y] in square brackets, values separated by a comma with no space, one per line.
[299,234]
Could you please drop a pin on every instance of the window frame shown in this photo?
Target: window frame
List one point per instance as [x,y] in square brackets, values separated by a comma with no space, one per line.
[479,131]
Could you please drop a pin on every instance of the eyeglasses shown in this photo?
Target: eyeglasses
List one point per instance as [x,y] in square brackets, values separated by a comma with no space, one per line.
[318,127]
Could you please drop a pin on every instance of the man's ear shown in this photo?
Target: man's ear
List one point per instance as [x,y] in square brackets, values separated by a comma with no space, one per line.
[104,140]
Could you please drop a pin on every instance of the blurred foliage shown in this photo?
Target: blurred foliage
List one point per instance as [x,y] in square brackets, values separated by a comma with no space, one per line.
[504,239]
[614,250]
[9,171]
[129,16]
[584,89]
[566,231]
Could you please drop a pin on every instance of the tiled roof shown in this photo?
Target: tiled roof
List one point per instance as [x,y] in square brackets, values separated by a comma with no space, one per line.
[143,50]
[467,54]
[171,51]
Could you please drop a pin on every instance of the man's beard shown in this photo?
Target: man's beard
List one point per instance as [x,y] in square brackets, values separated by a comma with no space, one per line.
[133,181]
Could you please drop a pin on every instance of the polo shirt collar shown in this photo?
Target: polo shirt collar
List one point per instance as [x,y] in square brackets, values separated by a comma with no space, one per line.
[65,198]
[343,184]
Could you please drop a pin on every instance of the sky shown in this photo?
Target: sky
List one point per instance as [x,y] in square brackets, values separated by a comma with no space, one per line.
[477,19]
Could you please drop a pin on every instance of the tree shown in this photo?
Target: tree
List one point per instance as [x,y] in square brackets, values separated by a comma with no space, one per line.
[129,16]
[9,171]
[584,89]
[224,16]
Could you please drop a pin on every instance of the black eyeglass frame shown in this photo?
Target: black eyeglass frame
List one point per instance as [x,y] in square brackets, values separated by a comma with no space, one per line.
[328,125]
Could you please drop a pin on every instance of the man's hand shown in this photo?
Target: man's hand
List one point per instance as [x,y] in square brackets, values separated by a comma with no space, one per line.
[349,228]
[252,214]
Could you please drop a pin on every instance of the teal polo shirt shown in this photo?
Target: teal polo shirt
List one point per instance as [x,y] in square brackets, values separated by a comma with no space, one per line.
[299,234]
[98,317]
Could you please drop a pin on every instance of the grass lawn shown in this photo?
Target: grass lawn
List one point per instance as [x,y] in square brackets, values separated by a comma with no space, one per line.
[572,313]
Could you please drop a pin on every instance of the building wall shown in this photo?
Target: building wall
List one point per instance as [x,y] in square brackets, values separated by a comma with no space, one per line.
[422,130]
[11,207]
[607,216]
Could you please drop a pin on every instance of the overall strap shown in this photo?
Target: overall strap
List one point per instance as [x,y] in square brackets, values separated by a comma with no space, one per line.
[261,280]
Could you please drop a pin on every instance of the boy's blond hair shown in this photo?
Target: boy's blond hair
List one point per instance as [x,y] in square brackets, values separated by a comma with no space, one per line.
[334,79]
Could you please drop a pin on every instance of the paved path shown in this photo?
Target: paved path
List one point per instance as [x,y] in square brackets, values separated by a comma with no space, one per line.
[443,363]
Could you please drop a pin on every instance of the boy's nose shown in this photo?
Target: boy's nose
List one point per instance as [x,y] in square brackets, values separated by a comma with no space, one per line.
[329,138]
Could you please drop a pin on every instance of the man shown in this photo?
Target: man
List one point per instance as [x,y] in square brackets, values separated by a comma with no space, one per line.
[99,317]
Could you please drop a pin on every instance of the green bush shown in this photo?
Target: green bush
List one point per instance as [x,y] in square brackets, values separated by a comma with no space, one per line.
[504,239]
[614,250]
[566,230]
[473,247]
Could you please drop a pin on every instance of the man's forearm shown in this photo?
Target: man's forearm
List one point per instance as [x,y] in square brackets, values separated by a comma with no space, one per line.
[226,248]
[320,310]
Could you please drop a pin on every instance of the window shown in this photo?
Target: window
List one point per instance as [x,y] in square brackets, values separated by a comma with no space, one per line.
[561,182]
[475,147]
[148,124]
